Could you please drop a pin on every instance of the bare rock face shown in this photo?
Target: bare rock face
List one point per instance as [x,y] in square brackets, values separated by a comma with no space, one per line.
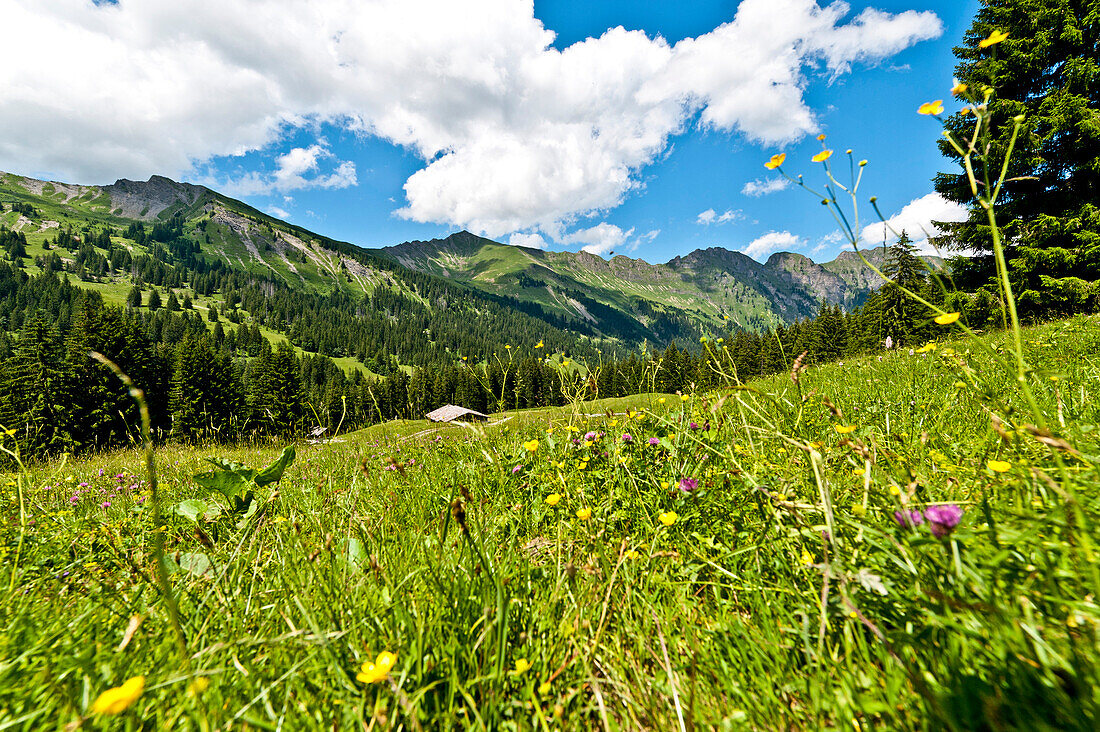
[146,200]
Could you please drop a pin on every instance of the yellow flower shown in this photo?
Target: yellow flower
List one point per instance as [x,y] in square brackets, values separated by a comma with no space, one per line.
[935,107]
[668,518]
[946,318]
[10,433]
[684,397]
[198,686]
[703,339]
[926,348]
[858,472]
[531,445]
[119,698]
[612,423]
[522,664]
[844,428]
[999,466]
[631,554]
[895,491]
[553,499]
[631,413]
[862,163]
[661,400]
[959,88]
[539,344]
[372,673]
[776,161]
[994,38]
[664,484]
[544,688]
[807,558]
[821,137]
[508,346]
[584,513]
[822,156]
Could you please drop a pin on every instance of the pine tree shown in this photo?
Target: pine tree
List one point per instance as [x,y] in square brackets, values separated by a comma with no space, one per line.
[1048,71]
[133,300]
[154,300]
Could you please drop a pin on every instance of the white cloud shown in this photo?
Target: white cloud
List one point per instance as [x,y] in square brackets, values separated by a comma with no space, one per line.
[532,241]
[281,213]
[513,133]
[297,169]
[710,216]
[599,239]
[915,219]
[773,241]
[764,186]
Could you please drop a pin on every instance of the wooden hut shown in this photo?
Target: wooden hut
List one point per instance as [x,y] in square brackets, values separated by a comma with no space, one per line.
[451,413]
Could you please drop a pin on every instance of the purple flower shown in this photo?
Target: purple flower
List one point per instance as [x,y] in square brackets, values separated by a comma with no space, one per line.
[654,441]
[687,485]
[101,472]
[908,519]
[943,519]
[517,469]
[589,435]
[693,426]
[106,504]
[627,437]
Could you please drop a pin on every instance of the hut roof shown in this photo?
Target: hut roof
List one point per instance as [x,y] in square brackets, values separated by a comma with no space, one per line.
[450,413]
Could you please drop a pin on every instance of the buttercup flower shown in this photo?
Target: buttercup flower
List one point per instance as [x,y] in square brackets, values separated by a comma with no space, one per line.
[999,466]
[935,107]
[522,664]
[584,513]
[668,518]
[959,88]
[118,699]
[531,445]
[372,673]
[553,499]
[946,318]
[844,428]
[943,519]
[994,38]
[776,161]
[822,156]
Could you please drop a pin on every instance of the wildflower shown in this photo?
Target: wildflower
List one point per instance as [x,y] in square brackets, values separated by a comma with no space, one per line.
[522,664]
[822,156]
[821,137]
[927,347]
[627,437]
[654,441]
[118,699]
[889,343]
[531,445]
[373,673]
[584,513]
[994,38]
[946,318]
[517,469]
[807,558]
[959,88]
[668,518]
[935,107]
[664,485]
[198,686]
[999,466]
[539,344]
[908,519]
[661,400]
[844,428]
[776,161]
[544,688]
[553,499]
[943,519]
[589,436]
[687,485]
[631,554]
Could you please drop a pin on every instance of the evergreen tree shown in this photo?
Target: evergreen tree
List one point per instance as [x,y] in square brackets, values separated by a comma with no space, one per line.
[1048,71]
[133,300]
[154,300]
[173,305]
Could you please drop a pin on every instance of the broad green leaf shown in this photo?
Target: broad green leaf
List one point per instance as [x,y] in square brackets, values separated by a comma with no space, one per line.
[273,472]
[226,483]
[352,552]
[228,465]
[196,564]
[195,509]
[253,507]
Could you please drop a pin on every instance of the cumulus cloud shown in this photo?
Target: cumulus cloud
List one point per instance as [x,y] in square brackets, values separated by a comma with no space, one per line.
[513,133]
[531,241]
[764,186]
[599,239]
[773,241]
[915,219]
[710,216]
[297,169]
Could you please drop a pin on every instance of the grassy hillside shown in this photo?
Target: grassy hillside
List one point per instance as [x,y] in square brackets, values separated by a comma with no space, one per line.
[733,560]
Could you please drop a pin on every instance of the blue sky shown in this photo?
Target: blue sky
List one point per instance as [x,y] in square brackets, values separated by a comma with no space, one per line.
[380,122]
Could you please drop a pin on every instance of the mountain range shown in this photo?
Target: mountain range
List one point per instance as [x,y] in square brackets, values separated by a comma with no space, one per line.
[620,299]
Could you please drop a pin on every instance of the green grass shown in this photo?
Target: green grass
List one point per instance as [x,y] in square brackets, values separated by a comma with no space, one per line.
[784,595]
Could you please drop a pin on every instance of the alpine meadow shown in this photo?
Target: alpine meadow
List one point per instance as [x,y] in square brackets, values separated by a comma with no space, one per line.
[470,460]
